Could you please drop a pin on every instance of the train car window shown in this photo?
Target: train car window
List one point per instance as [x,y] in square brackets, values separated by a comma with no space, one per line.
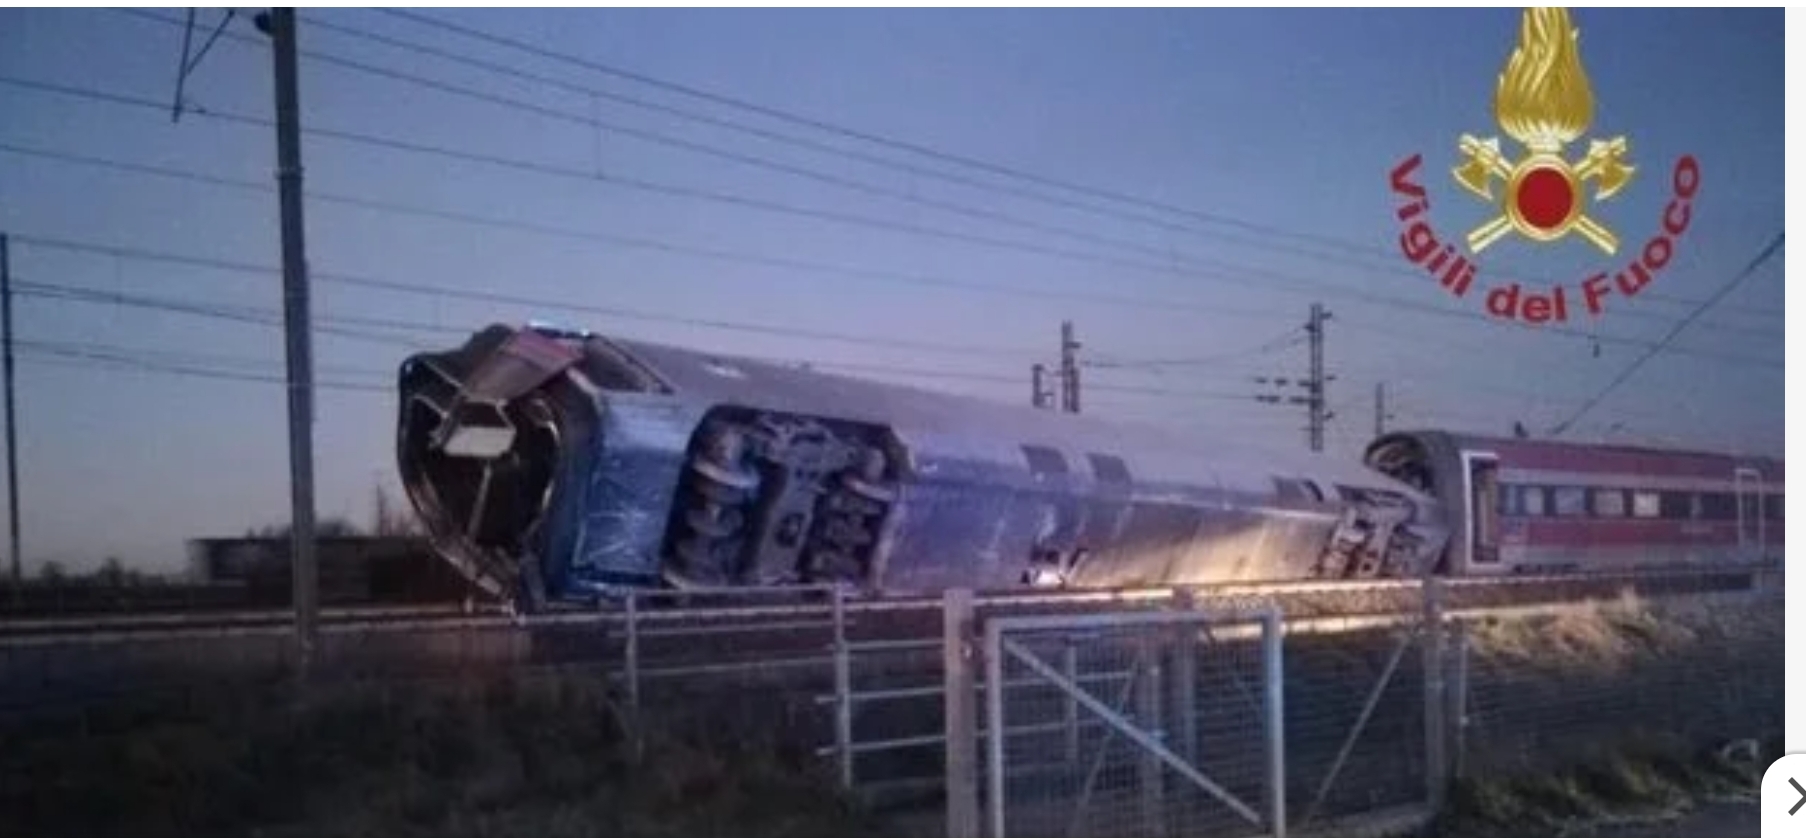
[1109,468]
[1718,506]
[1608,503]
[1646,505]
[1533,502]
[1677,506]
[1773,507]
[1570,501]
[1044,461]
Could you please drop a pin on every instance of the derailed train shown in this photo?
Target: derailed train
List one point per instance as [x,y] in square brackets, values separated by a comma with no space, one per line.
[558,465]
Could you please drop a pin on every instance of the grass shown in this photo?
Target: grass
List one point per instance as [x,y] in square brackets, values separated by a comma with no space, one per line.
[1671,686]
[1593,636]
[496,757]
[1650,783]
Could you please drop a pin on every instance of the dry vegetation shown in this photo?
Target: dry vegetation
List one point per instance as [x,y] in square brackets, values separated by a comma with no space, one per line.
[1636,710]
[510,758]
[1632,785]
[1611,635]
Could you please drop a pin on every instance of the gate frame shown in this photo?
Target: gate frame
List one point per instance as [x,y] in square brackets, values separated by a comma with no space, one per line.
[1272,633]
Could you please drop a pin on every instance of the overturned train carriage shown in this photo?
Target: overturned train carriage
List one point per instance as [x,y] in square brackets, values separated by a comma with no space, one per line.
[557,465]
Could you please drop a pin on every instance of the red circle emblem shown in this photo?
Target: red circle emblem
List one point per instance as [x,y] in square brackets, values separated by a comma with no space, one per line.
[1545,198]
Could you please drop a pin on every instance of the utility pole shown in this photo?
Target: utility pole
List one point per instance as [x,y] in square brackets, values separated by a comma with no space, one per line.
[1317,396]
[1042,397]
[1315,399]
[1069,369]
[279,24]
[12,436]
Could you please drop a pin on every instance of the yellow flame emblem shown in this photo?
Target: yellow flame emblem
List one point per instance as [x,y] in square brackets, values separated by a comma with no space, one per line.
[1545,102]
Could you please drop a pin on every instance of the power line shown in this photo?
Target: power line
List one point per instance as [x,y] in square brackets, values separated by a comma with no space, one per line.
[750,130]
[103,357]
[1390,267]
[1290,338]
[891,142]
[1761,258]
[643,242]
[186,363]
[1212,270]
[364,281]
[1377,299]
[271,319]
[259,317]
[718,152]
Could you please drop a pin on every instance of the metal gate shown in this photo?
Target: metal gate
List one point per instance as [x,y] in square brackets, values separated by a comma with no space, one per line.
[1360,713]
[1139,723]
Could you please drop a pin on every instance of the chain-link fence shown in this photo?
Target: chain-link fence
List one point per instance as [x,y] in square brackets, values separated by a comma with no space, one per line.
[1148,721]
[1132,712]
[1603,680]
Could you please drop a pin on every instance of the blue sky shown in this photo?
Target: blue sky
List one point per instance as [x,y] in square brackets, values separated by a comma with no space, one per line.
[1286,122]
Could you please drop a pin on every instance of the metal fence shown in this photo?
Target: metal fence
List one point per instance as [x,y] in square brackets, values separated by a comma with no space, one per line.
[1122,712]
[1111,715]
[1162,723]
[1602,680]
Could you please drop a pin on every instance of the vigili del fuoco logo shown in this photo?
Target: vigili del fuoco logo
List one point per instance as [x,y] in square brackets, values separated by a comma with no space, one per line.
[1545,104]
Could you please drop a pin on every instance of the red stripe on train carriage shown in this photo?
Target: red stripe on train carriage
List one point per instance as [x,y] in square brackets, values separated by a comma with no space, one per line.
[1578,532]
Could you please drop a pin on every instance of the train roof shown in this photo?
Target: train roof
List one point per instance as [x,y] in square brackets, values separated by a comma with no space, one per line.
[1599,457]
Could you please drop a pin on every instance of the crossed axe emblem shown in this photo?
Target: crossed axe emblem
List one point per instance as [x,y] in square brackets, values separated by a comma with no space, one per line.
[1543,193]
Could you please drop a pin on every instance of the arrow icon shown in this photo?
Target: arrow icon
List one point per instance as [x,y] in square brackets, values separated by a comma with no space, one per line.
[1802,791]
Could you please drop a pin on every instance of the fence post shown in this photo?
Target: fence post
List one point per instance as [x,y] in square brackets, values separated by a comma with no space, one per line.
[843,691]
[995,791]
[1184,682]
[1147,701]
[1069,663]
[1435,701]
[632,654]
[1272,651]
[1457,691]
[960,687]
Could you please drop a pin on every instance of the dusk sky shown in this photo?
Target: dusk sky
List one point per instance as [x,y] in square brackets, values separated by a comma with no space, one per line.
[1237,166]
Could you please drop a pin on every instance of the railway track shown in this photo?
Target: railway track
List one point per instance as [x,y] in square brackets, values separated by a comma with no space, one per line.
[769,610]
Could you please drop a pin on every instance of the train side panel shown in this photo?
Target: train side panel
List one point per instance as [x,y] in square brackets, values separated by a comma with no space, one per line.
[1521,506]
[559,464]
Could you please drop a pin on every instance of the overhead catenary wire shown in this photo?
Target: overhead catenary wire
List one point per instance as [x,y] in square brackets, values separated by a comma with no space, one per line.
[1389,267]
[374,204]
[104,359]
[339,324]
[1211,270]
[617,129]
[422,289]
[1732,358]
[1290,338]
[881,140]
[654,243]
[1761,258]
[360,327]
